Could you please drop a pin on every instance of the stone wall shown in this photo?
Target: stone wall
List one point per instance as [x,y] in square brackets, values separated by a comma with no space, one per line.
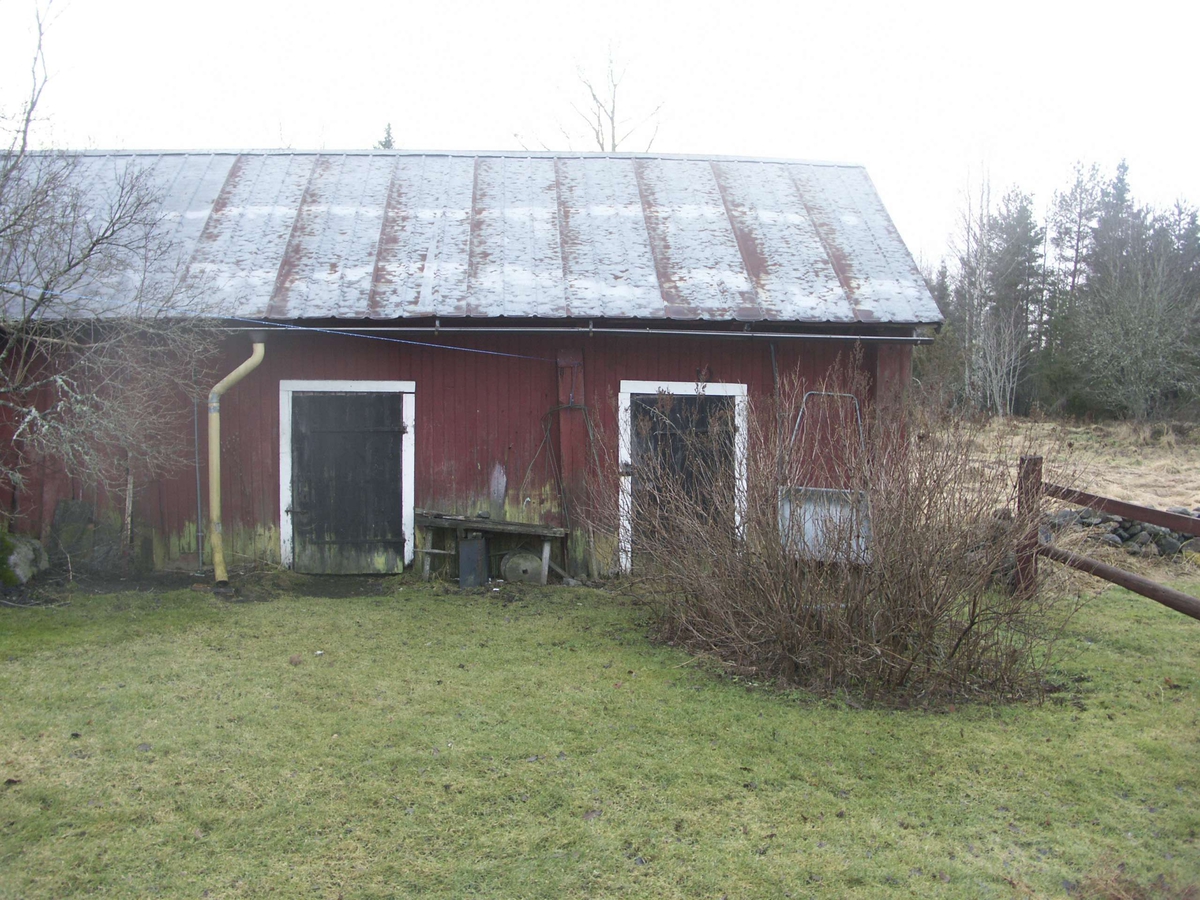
[1135,538]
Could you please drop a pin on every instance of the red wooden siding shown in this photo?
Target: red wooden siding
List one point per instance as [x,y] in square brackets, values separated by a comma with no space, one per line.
[473,411]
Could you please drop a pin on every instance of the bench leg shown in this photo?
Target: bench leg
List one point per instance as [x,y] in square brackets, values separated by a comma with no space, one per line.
[545,560]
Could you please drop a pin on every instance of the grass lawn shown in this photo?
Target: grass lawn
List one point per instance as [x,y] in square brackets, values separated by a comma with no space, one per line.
[536,744]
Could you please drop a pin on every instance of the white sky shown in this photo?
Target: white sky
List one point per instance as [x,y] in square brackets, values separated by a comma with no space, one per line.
[925,95]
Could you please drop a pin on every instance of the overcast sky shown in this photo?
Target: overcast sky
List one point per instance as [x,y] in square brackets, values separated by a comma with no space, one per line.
[925,95]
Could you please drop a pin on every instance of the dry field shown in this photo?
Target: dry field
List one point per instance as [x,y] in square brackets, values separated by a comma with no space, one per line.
[1154,465]
[1150,464]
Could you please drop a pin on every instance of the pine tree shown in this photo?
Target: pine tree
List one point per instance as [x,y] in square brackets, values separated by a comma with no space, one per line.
[1072,218]
[387,143]
[1013,305]
[1136,330]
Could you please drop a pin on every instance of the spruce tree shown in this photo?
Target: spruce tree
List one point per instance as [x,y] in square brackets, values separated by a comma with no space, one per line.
[387,143]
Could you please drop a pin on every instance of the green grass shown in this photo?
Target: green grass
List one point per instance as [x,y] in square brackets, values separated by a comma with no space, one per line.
[538,745]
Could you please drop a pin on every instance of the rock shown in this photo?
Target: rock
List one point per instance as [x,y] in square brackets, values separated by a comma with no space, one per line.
[1044,535]
[1133,549]
[1191,546]
[1121,536]
[1169,546]
[1110,539]
[1150,550]
[570,582]
[26,557]
[1063,518]
[1143,538]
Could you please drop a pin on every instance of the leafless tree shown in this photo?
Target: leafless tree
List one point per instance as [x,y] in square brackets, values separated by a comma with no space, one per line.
[999,344]
[604,111]
[973,290]
[100,336]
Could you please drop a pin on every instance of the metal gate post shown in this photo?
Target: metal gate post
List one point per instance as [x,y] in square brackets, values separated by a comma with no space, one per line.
[1029,503]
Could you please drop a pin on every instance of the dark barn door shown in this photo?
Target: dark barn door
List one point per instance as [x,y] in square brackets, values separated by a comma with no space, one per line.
[347,507]
[682,454]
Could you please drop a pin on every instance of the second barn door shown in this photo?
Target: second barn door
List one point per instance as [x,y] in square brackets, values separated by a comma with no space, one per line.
[347,482]
[682,458]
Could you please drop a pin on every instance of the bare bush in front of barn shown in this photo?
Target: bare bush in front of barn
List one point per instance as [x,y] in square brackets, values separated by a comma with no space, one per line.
[854,548]
[103,346]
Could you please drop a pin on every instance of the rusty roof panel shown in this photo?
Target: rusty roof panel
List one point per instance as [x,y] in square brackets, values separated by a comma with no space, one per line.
[696,253]
[447,209]
[393,235]
[606,256]
[190,185]
[860,240]
[782,251]
[331,253]
[240,255]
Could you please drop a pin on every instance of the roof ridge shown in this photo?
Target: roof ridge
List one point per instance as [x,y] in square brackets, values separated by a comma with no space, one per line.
[475,154]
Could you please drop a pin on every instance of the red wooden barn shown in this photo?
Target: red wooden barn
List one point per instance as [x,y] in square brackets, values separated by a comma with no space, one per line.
[447,332]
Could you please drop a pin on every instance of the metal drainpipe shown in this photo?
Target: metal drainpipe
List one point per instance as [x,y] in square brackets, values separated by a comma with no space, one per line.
[199,494]
[215,538]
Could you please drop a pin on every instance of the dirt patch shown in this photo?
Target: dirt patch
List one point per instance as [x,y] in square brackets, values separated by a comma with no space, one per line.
[261,587]
[337,586]
[250,587]
[50,587]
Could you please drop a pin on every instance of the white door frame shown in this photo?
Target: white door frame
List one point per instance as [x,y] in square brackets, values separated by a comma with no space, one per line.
[625,448]
[407,445]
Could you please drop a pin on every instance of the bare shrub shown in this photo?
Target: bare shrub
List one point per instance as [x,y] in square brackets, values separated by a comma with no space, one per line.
[856,548]
[103,339]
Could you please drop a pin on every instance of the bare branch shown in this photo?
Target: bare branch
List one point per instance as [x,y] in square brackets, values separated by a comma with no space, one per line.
[602,113]
[101,336]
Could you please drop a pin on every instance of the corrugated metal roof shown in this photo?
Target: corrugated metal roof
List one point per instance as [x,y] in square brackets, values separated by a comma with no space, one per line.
[391,235]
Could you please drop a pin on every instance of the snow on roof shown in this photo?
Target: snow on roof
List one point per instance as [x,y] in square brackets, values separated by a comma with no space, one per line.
[395,235]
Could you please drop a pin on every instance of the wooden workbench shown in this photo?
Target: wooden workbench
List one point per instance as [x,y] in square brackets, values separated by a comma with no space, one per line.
[429,520]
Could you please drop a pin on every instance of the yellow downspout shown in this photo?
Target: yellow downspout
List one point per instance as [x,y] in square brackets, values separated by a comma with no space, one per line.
[215,540]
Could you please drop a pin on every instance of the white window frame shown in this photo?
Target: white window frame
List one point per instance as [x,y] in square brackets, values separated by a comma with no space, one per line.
[407,447]
[625,448]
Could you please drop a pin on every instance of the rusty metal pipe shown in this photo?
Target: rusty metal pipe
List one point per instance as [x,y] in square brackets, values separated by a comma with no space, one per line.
[1174,521]
[1029,505]
[215,538]
[1176,600]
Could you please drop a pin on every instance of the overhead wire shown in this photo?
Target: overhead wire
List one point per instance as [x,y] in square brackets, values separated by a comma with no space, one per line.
[271,325]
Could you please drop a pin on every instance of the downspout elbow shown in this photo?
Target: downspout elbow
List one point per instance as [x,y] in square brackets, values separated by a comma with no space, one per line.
[257,353]
[215,538]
